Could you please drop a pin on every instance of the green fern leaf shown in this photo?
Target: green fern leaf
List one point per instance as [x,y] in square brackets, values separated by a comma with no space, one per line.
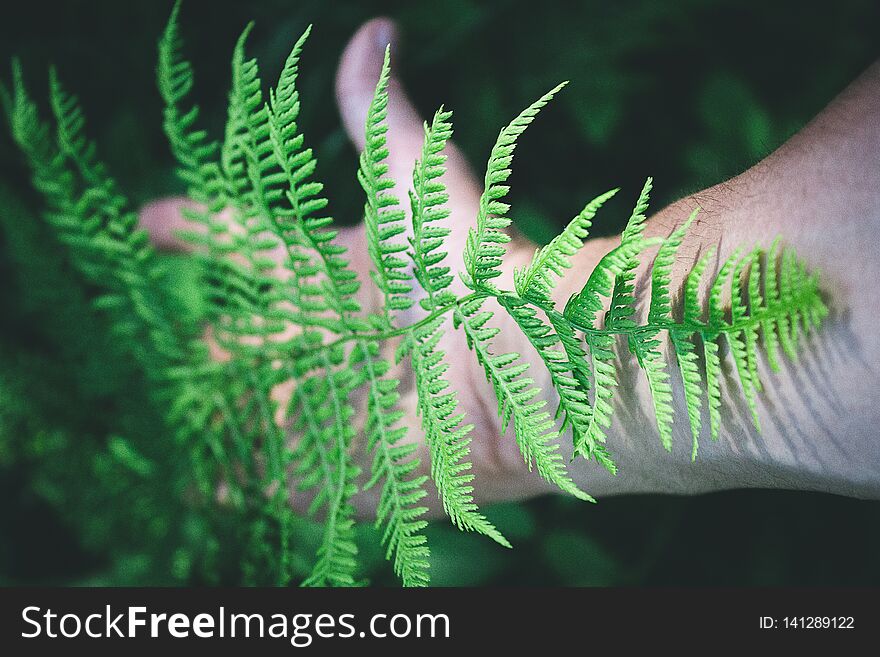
[646,346]
[584,438]
[622,305]
[661,283]
[770,324]
[713,362]
[193,151]
[693,389]
[565,367]
[583,308]
[693,309]
[485,244]
[394,464]
[789,292]
[382,212]
[447,437]
[428,200]
[581,311]
[325,465]
[326,281]
[687,357]
[738,340]
[296,320]
[756,303]
[535,281]
[516,394]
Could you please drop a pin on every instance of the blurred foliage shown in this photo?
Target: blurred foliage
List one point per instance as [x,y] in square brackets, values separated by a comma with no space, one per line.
[689,92]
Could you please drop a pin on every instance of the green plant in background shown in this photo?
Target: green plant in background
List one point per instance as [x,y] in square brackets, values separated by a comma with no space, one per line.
[221,426]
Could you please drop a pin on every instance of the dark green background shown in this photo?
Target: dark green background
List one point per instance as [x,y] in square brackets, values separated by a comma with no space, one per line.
[688,92]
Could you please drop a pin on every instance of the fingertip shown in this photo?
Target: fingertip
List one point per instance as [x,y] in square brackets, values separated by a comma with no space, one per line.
[163,219]
[385,35]
[359,69]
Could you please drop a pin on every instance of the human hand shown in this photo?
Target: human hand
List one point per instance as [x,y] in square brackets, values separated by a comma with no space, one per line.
[789,453]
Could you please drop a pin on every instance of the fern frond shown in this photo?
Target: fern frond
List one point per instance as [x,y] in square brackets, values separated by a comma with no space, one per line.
[787,325]
[622,306]
[693,391]
[579,364]
[647,348]
[646,345]
[661,274]
[515,392]
[282,309]
[102,227]
[583,307]
[246,297]
[686,355]
[535,282]
[50,174]
[198,166]
[383,216]
[394,463]
[581,311]
[447,436]
[325,466]
[566,369]
[604,381]
[693,309]
[326,281]
[485,244]
[713,362]
[738,340]
[755,302]
[428,200]
[280,202]
[770,325]
[194,152]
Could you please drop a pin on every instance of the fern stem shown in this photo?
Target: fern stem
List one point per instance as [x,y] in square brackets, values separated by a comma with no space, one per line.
[661,325]
[400,330]
[696,327]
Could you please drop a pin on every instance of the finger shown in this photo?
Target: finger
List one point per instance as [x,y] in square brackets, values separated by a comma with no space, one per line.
[356,79]
[167,224]
[164,221]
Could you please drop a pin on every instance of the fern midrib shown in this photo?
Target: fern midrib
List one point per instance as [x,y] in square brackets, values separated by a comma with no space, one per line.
[401,330]
[799,302]
[595,420]
[418,225]
[292,195]
[485,357]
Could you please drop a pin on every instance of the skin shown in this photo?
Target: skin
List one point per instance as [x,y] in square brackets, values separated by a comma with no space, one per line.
[820,191]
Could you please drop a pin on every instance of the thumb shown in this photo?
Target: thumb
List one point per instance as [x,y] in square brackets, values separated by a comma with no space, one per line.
[356,78]
[164,220]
